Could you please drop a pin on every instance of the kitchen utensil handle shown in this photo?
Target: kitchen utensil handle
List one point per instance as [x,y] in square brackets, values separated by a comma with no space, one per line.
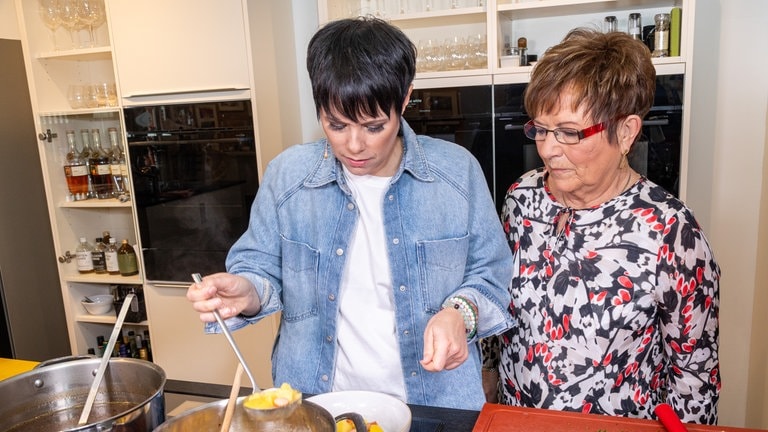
[224,329]
[232,401]
[105,359]
[669,418]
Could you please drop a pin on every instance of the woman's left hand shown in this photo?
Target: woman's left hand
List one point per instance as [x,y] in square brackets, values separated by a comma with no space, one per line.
[445,341]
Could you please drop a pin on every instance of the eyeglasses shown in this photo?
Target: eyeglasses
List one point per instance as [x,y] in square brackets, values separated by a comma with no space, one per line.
[562,135]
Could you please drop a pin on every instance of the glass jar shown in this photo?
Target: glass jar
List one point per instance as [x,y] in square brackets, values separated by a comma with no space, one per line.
[610,24]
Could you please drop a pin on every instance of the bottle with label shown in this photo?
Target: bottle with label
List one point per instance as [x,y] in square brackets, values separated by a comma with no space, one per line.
[98,256]
[75,170]
[101,174]
[126,260]
[85,154]
[116,159]
[661,36]
[110,257]
[84,256]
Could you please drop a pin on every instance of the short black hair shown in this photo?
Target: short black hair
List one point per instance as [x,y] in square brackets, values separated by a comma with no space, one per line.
[360,66]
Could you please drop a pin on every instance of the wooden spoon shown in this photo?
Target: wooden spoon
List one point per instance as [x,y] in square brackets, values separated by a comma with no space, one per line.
[232,402]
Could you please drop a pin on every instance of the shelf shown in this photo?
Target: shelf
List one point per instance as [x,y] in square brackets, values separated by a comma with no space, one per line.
[104,319]
[399,19]
[84,54]
[81,111]
[96,203]
[95,278]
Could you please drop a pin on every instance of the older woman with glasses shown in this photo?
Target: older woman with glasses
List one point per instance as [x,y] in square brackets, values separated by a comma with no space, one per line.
[615,287]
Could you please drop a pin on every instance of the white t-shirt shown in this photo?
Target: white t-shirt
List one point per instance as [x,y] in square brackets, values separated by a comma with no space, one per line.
[368,356]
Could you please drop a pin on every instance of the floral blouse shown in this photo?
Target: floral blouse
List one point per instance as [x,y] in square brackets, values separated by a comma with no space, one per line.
[617,309]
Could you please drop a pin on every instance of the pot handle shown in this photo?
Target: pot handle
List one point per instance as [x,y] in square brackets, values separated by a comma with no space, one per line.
[64,359]
[356,418]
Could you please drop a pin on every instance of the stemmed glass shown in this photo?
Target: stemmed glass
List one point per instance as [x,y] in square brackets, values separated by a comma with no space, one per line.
[49,13]
[92,15]
[70,18]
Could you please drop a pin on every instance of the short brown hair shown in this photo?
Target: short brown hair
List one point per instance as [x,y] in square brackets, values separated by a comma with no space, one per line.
[610,74]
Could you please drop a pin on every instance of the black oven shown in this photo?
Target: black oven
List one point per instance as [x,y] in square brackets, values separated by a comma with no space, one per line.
[194,177]
[488,120]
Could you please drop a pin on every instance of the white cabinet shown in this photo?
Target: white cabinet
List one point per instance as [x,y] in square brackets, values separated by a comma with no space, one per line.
[51,74]
[179,48]
[155,52]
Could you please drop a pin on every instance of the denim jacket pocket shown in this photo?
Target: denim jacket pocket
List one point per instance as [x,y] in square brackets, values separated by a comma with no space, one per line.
[442,264]
[300,266]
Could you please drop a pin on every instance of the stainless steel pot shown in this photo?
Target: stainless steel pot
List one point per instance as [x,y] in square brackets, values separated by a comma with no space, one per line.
[207,418]
[51,398]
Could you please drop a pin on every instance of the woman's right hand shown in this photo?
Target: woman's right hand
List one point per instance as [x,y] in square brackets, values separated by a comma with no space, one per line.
[230,294]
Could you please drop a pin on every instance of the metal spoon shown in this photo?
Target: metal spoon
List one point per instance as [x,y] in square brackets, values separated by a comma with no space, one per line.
[263,414]
[197,278]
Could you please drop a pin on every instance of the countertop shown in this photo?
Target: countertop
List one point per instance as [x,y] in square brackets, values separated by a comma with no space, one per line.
[11,367]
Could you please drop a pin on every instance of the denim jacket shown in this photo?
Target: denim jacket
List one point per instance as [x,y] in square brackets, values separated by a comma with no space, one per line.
[444,238]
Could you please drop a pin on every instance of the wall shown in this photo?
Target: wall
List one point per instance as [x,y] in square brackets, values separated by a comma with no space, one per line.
[9,27]
[726,179]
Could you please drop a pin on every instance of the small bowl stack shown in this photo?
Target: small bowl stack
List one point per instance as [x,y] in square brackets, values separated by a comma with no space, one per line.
[98,304]
[390,413]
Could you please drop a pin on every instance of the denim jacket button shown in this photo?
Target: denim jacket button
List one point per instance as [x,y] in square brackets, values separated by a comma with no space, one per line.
[406,332]
[329,338]
[413,374]
[396,241]
[391,197]
[339,251]
[403,288]
[331,297]
[350,206]
[324,377]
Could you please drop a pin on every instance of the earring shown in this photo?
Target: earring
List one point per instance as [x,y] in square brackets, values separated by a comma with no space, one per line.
[325,154]
[624,160]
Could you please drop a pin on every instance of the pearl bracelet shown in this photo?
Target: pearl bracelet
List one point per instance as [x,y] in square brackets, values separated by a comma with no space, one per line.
[467,310]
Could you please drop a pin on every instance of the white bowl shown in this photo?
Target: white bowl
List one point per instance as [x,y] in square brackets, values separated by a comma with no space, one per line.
[392,414]
[100,305]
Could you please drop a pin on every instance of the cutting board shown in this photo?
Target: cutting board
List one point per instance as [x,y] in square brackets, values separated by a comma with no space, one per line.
[502,418]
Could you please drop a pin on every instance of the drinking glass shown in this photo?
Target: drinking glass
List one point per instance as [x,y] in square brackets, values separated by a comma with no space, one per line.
[92,15]
[70,18]
[76,96]
[49,14]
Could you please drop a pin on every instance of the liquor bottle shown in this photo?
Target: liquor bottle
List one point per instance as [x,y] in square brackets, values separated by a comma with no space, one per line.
[110,257]
[147,345]
[116,155]
[85,154]
[98,256]
[105,236]
[75,170]
[84,256]
[126,260]
[101,175]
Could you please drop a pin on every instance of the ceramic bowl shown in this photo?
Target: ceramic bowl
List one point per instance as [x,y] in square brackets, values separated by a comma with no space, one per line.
[100,304]
[392,414]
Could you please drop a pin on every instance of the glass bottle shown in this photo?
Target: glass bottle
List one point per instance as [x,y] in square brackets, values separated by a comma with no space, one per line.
[116,160]
[635,26]
[101,175]
[610,24]
[661,36]
[84,256]
[85,154]
[110,257]
[126,260]
[98,256]
[75,170]
[105,237]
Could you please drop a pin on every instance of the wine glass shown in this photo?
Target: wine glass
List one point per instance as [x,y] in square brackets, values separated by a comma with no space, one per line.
[49,13]
[70,18]
[92,15]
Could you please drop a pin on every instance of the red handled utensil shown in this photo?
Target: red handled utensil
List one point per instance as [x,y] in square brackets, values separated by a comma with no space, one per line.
[669,418]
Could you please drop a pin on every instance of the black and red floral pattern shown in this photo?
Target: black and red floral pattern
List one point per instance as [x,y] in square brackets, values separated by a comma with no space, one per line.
[616,314]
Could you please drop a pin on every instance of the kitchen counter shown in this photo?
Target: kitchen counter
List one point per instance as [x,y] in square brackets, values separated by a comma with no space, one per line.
[11,367]
[492,417]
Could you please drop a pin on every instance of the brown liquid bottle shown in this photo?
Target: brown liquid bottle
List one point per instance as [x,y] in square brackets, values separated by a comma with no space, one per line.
[126,260]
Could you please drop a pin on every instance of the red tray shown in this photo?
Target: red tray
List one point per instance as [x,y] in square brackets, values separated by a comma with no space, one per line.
[503,418]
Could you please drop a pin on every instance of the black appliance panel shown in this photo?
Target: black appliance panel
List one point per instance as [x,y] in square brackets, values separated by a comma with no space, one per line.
[194,177]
